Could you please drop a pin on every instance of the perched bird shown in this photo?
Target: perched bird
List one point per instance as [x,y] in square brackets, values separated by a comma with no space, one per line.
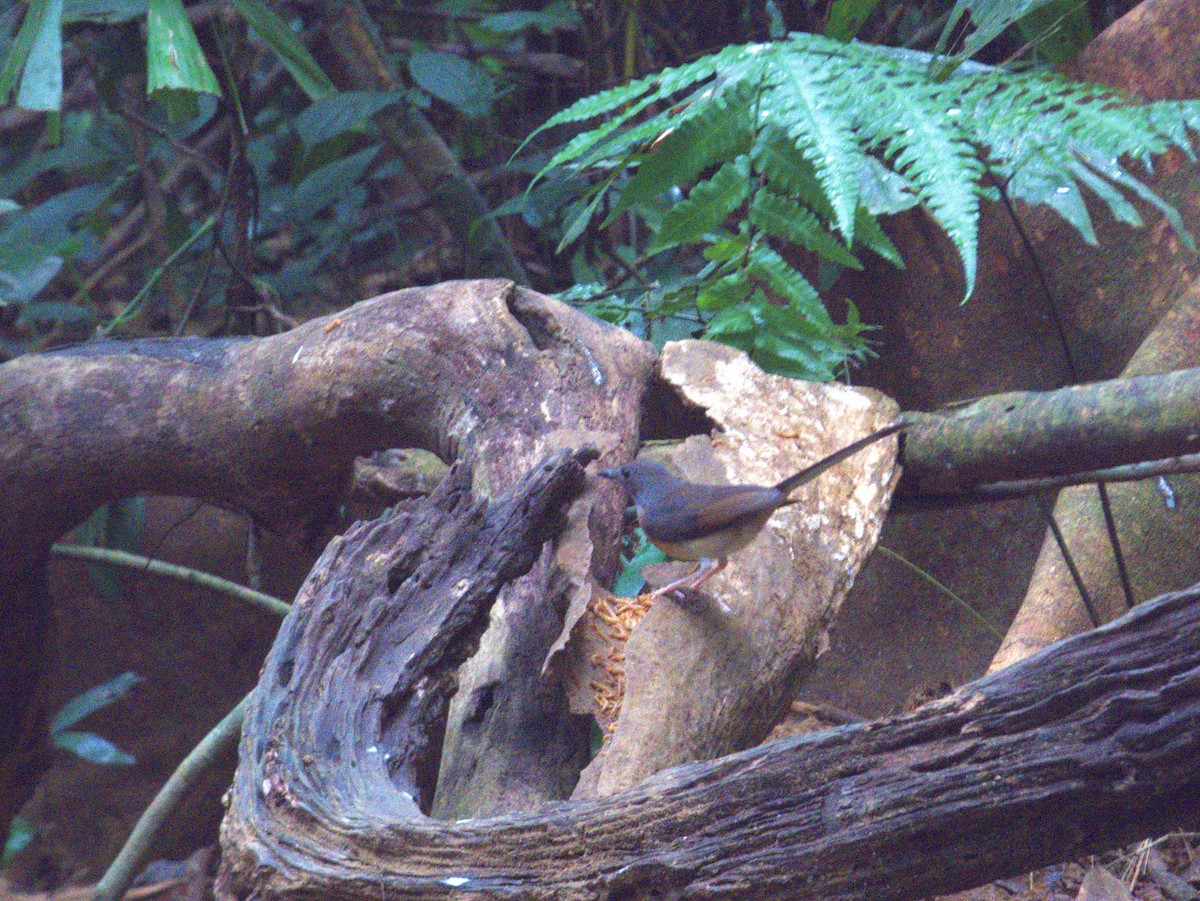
[707,523]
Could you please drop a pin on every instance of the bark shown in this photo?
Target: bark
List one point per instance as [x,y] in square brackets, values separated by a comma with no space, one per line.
[1027,434]
[499,378]
[272,427]
[1087,745]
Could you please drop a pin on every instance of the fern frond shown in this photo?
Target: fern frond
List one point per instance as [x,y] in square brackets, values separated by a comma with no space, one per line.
[784,218]
[788,171]
[906,118]
[803,96]
[1048,182]
[781,282]
[1112,171]
[806,139]
[732,62]
[869,234]
[706,207]
[716,132]
[724,292]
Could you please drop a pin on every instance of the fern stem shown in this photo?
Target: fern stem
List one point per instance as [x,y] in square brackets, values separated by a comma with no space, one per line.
[1056,318]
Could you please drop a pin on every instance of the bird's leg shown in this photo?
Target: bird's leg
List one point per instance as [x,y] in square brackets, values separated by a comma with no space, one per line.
[705,569]
[671,586]
[713,567]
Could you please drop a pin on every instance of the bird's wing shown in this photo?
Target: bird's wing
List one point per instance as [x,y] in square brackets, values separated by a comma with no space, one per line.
[718,507]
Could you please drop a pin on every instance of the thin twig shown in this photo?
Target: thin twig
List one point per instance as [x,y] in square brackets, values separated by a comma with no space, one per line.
[999,491]
[180,146]
[1110,524]
[132,308]
[940,586]
[1061,540]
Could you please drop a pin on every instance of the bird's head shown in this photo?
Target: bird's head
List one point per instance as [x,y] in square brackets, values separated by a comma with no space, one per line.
[640,478]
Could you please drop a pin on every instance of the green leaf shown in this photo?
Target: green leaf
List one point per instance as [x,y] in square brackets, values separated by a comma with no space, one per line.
[847,17]
[930,150]
[706,207]
[727,246]
[555,17]
[719,133]
[288,47]
[42,81]
[576,220]
[18,50]
[86,703]
[91,746]
[1054,187]
[630,582]
[990,18]
[1122,209]
[174,60]
[733,326]
[126,523]
[1060,29]
[1111,170]
[869,233]
[50,228]
[341,112]
[637,95]
[884,191]
[55,312]
[817,123]
[782,282]
[725,292]
[24,285]
[326,185]
[784,218]
[117,525]
[20,834]
[103,12]
[462,83]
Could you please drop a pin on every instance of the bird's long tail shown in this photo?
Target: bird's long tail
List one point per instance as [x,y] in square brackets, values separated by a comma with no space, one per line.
[808,474]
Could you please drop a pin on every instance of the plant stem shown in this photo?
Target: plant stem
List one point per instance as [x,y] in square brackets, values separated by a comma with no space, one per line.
[121,873]
[172,571]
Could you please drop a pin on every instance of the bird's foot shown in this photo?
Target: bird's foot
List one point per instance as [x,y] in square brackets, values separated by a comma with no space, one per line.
[691,600]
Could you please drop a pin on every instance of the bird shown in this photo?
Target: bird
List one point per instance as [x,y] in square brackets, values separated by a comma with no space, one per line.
[708,523]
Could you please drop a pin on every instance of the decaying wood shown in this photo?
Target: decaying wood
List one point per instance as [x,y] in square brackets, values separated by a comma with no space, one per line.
[501,379]
[1091,743]
[492,375]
